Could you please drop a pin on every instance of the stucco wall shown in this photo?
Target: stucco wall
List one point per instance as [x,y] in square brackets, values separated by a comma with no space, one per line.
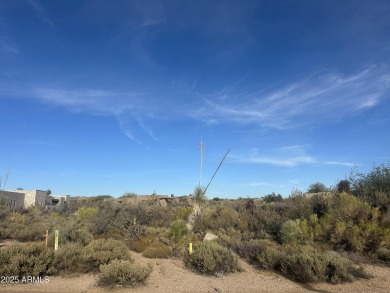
[33,197]
[14,200]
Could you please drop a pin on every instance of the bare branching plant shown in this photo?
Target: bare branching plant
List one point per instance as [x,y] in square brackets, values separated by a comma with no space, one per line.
[199,197]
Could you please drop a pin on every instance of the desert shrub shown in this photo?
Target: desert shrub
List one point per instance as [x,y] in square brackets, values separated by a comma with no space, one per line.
[122,272]
[291,232]
[317,187]
[219,217]
[159,216]
[298,206]
[272,197]
[352,224]
[81,236]
[383,254]
[182,213]
[70,230]
[305,264]
[270,219]
[177,230]
[141,244]
[157,250]
[25,227]
[344,186]
[320,204]
[99,225]
[374,187]
[23,260]
[250,249]
[86,214]
[67,235]
[212,259]
[338,268]
[68,258]
[102,251]
[303,267]
[268,258]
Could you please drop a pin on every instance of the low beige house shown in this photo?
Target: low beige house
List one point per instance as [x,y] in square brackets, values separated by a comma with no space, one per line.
[33,197]
[16,199]
[136,199]
[13,200]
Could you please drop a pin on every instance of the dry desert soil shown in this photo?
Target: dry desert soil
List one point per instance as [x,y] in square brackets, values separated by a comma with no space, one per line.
[170,275]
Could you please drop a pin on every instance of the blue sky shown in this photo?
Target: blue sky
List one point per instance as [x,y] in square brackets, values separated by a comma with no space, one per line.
[108,97]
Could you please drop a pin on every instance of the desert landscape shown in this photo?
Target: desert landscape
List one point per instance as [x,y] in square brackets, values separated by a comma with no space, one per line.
[172,276]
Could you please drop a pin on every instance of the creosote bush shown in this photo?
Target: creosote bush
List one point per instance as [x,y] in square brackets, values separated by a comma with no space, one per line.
[102,251]
[68,258]
[383,254]
[25,227]
[290,232]
[269,258]
[212,259]
[305,264]
[141,244]
[122,272]
[157,250]
[23,260]
[177,230]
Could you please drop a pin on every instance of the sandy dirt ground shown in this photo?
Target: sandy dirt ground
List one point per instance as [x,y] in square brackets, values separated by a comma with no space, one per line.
[170,275]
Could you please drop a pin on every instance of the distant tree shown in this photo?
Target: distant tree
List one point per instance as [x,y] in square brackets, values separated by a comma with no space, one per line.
[374,187]
[344,186]
[317,187]
[128,194]
[272,197]
[97,199]
[19,188]
[48,192]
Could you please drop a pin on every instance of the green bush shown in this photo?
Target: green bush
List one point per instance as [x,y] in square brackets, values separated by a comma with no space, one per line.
[383,254]
[216,218]
[81,236]
[71,231]
[212,259]
[290,232]
[141,244]
[250,249]
[22,260]
[177,230]
[269,258]
[157,250]
[68,258]
[303,267]
[374,187]
[308,265]
[123,273]
[182,213]
[102,251]
[25,227]
[338,268]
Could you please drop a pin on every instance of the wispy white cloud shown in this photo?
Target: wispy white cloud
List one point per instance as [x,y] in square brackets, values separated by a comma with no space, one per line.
[93,101]
[7,47]
[340,163]
[125,107]
[256,184]
[41,13]
[290,156]
[318,98]
[152,12]
[36,142]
